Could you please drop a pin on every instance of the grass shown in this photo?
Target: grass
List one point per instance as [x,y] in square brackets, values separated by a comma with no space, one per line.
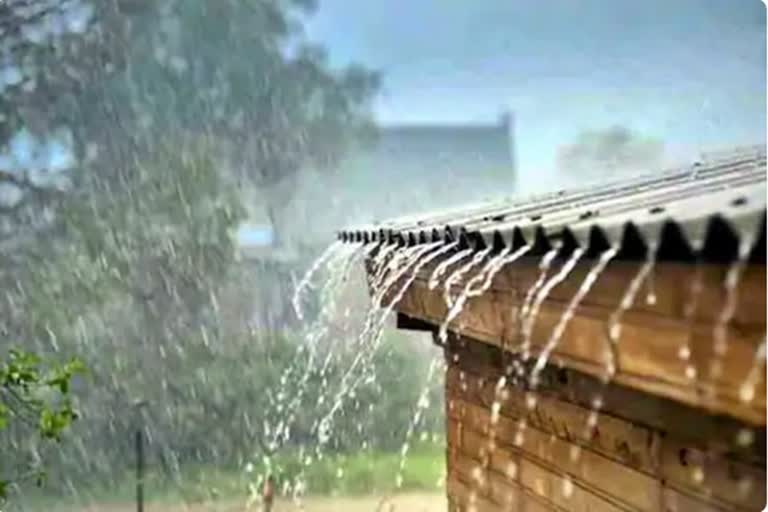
[359,474]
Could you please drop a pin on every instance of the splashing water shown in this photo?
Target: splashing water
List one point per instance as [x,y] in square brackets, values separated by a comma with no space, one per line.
[306,280]
[557,332]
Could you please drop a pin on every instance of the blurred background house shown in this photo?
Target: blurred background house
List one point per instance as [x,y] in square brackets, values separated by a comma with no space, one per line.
[432,164]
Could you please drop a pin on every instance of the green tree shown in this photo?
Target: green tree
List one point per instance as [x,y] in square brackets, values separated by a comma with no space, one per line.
[34,398]
[165,111]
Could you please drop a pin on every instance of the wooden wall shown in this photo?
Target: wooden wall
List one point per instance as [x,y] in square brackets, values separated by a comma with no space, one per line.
[644,453]
[652,335]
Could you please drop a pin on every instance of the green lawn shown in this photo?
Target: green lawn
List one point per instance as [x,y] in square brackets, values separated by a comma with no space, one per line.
[355,475]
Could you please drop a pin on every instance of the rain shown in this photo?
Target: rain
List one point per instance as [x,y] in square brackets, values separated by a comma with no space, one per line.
[321,255]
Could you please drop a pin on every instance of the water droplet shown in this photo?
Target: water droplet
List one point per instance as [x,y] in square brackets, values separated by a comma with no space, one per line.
[495,410]
[697,474]
[745,437]
[512,470]
[747,393]
[684,353]
[575,452]
[745,486]
[567,487]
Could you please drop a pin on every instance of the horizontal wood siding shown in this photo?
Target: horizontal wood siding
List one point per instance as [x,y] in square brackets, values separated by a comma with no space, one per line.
[653,335]
[540,454]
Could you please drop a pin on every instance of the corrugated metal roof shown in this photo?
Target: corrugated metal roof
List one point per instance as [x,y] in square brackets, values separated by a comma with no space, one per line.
[704,210]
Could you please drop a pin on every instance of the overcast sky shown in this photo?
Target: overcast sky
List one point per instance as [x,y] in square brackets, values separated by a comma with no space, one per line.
[691,72]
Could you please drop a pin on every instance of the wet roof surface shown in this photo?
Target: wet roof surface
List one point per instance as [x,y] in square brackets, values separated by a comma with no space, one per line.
[708,210]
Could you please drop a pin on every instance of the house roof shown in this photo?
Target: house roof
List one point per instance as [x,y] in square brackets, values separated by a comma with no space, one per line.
[705,210]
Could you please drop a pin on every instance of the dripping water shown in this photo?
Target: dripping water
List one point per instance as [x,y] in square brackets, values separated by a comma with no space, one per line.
[720,332]
[491,269]
[612,339]
[434,280]
[747,389]
[306,280]
[557,332]
[456,276]
[422,258]
[685,352]
[421,406]
[542,295]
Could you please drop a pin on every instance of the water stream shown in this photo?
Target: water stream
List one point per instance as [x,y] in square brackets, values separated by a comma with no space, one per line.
[440,269]
[422,404]
[720,331]
[557,333]
[457,274]
[542,295]
[306,280]
[747,389]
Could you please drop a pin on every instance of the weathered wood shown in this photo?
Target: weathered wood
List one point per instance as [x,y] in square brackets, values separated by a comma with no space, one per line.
[648,350]
[673,432]
[671,283]
[562,465]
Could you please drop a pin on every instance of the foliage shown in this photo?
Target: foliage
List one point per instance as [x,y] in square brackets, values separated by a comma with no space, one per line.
[34,396]
[174,107]
[616,148]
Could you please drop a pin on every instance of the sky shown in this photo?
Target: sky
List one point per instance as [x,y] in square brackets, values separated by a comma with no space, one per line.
[690,72]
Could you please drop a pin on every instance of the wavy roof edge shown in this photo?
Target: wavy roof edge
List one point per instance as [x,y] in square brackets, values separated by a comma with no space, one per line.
[709,211]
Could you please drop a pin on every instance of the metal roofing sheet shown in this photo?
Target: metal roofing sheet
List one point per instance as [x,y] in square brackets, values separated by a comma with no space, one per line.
[678,211]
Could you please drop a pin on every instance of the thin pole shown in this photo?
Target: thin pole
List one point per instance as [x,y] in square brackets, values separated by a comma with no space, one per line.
[139,471]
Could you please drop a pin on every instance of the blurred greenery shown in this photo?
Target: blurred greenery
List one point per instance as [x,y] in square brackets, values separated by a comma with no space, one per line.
[34,401]
[134,267]
[368,473]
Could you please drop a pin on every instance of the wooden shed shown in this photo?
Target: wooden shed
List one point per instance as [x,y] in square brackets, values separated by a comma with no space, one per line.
[610,354]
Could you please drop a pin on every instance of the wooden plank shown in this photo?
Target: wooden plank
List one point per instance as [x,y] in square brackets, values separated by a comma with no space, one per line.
[731,481]
[671,297]
[461,494]
[712,477]
[591,470]
[562,492]
[615,439]
[648,357]
[628,425]
[676,501]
